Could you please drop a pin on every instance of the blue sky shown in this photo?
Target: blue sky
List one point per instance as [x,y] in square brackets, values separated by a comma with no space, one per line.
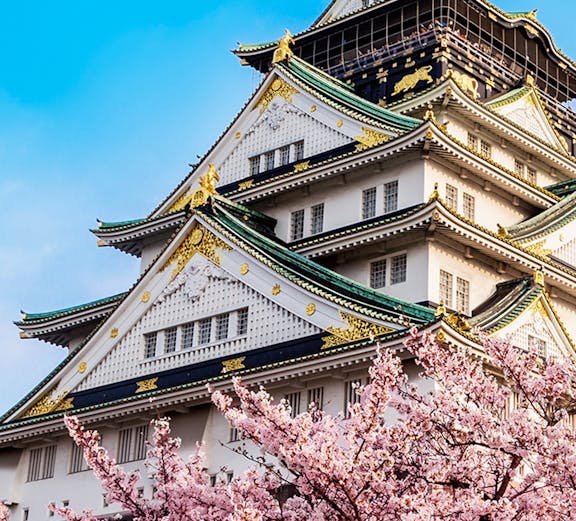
[102,106]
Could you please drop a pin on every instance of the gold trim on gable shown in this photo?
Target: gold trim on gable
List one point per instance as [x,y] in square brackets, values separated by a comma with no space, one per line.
[358,329]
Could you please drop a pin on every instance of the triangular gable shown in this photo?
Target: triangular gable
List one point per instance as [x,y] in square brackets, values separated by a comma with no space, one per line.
[309,306]
[525,108]
[341,8]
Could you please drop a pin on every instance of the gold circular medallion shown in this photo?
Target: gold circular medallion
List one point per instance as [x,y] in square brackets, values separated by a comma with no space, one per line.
[196,236]
[146,297]
[114,333]
[82,367]
[276,290]
[238,135]
[339,123]
[310,309]
[313,108]
[276,84]
[244,269]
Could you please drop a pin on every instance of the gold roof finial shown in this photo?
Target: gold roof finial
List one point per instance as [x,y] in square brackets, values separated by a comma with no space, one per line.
[284,50]
[440,310]
[530,80]
[209,180]
[435,195]
[539,277]
[503,232]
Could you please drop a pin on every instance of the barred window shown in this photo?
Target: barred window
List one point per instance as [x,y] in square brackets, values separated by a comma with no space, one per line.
[351,395]
[204,330]
[463,295]
[269,159]
[254,165]
[297,225]
[519,167]
[369,203]
[485,148]
[398,269]
[473,141]
[188,336]
[378,274]
[316,397]
[132,443]
[170,340]
[242,322]
[222,322]
[531,175]
[293,400]
[317,218]
[42,463]
[452,197]
[77,461]
[299,150]
[285,155]
[446,287]
[468,206]
[391,197]
[150,340]
[234,434]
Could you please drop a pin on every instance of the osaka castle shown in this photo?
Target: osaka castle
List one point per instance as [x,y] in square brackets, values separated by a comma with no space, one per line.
[402,163]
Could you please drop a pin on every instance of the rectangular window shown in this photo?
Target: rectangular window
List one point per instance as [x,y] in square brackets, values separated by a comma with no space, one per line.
[316,397]
[531,175]
[150,345]
[473,141]
[468,206]
[132,443]
[254,165]
[222,322]
[293,400]
[77,461]
[446,288]
[350,393]
[297,225]
[242,322]
[188,336]
[42,463]
[518,167]
[378,274]
[234,434]
[485,148]
[170,340]
[204,331]
[285,155]
[269,160]
[317,218]
[462,296]
[398,269]
[391,197]
[299,151]
[369,203]
[452,197]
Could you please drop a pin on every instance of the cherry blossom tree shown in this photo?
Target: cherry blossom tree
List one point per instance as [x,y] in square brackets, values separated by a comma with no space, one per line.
[4,512]
[493,442]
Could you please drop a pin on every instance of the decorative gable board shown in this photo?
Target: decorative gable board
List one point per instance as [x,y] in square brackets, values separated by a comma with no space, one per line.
[538,328]
[341,8]
[281,124]
[529,114]
[559,243]
[201,291]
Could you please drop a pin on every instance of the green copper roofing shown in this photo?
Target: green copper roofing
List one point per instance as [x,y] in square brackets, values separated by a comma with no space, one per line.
[343,95]
[314,277]
[507,303]
[547,221]
[563,188]
[509,97]
[248,47]
[120,224]
[43,317]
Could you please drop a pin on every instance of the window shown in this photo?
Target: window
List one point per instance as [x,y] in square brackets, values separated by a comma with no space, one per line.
[485,148]
[316,218]
[446,287]
[298,150]
[398,269]
[170,340]
[391,197]
[204,330]
[42,463]
[316,397]
[369,203]
[242,322]
[25,514]
[222,322]
[531,175]
[378,274]
[468,206]
[254,165]
[77,461]
[132,443]
[463,296]
[269,160]
[350,393]
[293,401]
[452,197]
[285,155]
[297,225]
[150,345]
[473,141]
[519,167]
[188,336]
[234,434]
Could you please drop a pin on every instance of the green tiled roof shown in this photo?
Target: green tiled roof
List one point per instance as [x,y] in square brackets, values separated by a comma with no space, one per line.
[563,188]
[121,224]
[49,315]
[343,95]
[509,97]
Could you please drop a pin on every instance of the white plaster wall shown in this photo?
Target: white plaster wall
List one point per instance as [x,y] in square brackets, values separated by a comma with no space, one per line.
[567,313]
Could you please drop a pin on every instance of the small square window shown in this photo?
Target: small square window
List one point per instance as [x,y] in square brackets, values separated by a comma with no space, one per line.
[398,269]
[518,167]
[531,175]
[378,274]
[473,141]
[485,149]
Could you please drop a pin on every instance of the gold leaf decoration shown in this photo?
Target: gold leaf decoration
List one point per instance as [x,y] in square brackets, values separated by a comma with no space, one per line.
[410,81]
[114,333]
[244,269]
[310,309]
[146,297]
[146,385]
[246,184]
[48,403]
[199,240]
[82,367]
[301,167]
[369,139]
[278,88]
[233,365]
[358,329]
[276,289]
[466,83]
[180,203]
[539,249]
